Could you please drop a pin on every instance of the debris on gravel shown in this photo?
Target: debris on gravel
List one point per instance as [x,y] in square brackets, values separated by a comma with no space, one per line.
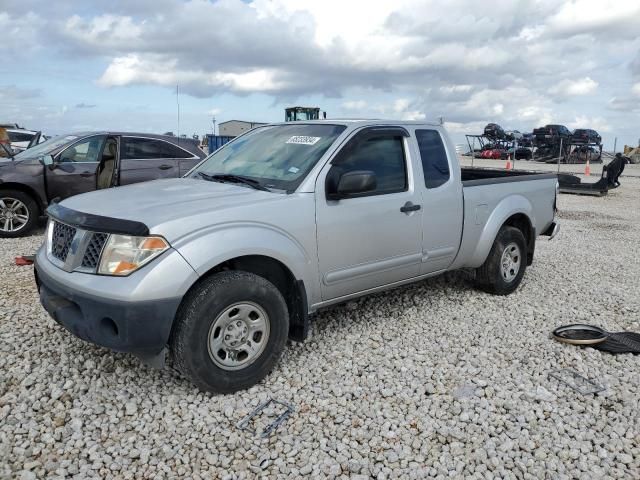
[435,379]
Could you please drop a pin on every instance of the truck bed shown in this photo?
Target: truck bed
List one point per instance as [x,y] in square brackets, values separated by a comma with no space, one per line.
[490,195]
[486,176]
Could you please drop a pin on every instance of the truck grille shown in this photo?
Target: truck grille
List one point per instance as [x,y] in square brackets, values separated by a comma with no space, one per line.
[94,250]
[85,257]
[61,240]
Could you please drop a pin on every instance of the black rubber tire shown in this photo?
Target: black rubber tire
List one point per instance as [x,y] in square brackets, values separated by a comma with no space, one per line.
[488,276]
[32,206]
[202,306]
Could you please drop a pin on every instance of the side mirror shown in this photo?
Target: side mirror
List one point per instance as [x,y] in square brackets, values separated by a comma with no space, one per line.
[47,161]
[352,184]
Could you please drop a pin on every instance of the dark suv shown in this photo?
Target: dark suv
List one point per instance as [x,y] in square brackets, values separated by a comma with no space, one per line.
[551,134]
[586,135]
[82,162]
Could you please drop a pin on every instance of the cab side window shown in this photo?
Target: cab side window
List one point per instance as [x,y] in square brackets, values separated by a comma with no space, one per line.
[88,150]
[148,148]
[383,155]
[435,164]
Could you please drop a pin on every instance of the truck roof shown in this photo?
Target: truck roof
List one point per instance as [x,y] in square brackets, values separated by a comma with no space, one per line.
[363,122]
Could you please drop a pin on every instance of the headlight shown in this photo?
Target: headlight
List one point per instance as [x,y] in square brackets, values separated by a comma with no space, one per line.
[124,254]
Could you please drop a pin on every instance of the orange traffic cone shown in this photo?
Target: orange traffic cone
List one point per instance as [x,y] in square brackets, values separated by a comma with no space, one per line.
[508,165]
[587,169]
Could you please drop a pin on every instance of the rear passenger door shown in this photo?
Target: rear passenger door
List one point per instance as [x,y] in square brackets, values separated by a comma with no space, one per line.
[442,202]
[147,158]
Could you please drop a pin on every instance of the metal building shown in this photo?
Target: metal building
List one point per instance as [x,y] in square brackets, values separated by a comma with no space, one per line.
[233,128]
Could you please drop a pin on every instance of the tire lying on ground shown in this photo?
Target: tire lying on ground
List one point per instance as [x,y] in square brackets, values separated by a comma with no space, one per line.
[502,271]
[19,213]
[230,331]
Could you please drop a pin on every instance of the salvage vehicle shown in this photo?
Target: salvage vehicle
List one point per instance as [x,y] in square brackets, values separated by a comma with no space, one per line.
[5,142]
[494,131]
[520,153]
[220,267]
[22,139]
[513,136]
[585,135]
[82,162]
[526,140]
[551,134]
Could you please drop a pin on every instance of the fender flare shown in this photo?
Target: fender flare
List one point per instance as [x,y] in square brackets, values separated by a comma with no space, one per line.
[201,249]
[507,208]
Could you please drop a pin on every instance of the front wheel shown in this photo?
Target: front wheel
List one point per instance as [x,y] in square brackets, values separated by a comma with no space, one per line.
[230,331]
[18,213]
[502,271]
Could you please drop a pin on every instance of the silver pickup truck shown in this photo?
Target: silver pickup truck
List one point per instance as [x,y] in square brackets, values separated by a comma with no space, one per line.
[222,266]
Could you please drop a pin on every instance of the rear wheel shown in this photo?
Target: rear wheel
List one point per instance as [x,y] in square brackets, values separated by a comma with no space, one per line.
[502,271]
[18,213]
[230,331]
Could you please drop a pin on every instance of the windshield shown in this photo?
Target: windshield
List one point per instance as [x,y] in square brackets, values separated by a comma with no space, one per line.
[277,156]
[45,148]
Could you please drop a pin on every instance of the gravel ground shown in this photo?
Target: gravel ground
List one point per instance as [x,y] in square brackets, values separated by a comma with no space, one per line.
[431,380]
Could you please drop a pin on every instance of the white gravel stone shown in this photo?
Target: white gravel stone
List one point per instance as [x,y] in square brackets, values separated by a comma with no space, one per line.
[432,380]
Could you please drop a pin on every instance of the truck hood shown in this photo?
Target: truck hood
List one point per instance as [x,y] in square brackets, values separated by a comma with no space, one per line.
[171,201]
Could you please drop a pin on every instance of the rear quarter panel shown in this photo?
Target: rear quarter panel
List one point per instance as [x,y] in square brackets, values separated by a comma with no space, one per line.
[487,207]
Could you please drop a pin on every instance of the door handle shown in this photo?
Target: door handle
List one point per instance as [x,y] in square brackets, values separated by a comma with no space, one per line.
[165,167]
[409,207]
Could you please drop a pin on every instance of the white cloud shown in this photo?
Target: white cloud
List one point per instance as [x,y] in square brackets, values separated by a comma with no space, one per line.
[456,89]
[354,105]
[522,64]
[402,109]
[105,31]
[590,16]
[19,34]
[584,121]
[134,69]
[582,86]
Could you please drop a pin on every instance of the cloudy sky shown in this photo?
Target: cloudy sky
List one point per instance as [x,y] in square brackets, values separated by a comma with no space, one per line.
[115,64]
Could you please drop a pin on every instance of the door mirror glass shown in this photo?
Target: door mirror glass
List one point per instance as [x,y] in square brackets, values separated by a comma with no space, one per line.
[47,160]
[354,183]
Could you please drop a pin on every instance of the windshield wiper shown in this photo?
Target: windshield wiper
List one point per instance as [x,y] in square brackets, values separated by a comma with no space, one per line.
[228,177]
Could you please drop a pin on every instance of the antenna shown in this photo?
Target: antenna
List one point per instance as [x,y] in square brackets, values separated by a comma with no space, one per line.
[178,104]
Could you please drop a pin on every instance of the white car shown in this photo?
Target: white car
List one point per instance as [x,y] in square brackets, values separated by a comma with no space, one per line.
[21,139]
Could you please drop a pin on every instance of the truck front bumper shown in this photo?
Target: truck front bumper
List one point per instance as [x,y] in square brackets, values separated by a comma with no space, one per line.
[123,316]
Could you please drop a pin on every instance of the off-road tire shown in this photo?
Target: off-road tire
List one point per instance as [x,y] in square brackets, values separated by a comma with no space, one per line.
[34,213]
[200,308]
[489,276]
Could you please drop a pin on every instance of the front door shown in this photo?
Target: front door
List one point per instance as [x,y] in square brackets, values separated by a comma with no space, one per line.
[375,238]
[147,158]
[74,169]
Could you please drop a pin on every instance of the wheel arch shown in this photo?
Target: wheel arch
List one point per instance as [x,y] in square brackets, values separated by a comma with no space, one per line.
[280,275]
[523,223]
[515,211]
[21,187]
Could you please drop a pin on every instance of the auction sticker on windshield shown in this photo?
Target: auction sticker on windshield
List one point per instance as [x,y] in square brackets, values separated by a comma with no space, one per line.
[303,140]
